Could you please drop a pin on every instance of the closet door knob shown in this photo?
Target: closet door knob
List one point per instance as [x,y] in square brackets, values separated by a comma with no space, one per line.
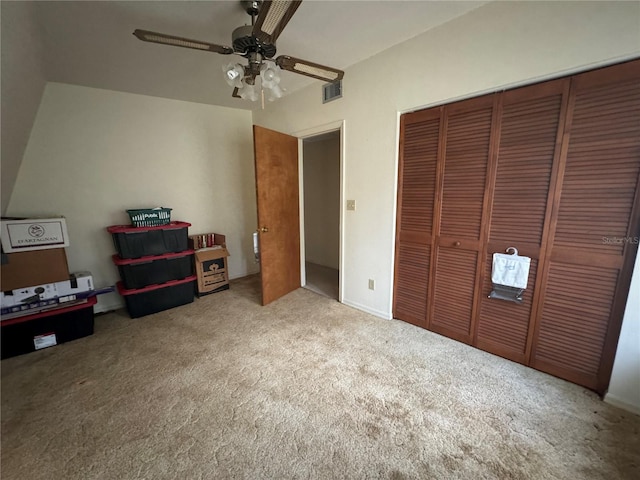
[456,244]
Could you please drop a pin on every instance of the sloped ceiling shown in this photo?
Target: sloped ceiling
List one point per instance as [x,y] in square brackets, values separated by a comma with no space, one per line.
[22,84]
[90,43]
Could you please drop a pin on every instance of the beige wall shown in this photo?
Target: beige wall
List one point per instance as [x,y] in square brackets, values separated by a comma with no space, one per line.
[321,170]
[94,153]
[22,86]
[499,45]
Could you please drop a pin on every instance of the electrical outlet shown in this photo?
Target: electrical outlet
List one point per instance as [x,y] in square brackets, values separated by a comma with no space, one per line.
[351,205]
[372,284]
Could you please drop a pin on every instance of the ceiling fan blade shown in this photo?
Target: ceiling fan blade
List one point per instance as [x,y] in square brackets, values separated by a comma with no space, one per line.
[235,93]
[309,69]
[155,37]
[273,17]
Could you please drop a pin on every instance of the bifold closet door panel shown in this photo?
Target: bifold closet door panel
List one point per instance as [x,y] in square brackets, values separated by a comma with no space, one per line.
[575,317]
[529,141]
[416,191]
[594,225]
[454,290]
[503,327]
[459,215]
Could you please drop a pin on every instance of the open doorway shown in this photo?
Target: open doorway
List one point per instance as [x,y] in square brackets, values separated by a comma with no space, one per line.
[321,200]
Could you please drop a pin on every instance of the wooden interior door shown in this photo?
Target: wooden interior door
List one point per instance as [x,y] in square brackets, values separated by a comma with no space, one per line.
[276,162]
[459,211]
[594,228]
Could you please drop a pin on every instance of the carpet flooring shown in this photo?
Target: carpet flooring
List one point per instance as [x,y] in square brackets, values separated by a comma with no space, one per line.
[304,388]
[322,280]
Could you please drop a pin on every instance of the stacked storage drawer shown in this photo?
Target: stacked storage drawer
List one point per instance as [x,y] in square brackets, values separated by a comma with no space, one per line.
[155,265]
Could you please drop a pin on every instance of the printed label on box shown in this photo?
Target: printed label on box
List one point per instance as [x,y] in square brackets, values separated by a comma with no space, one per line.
[44,341]
[34,234]
[209,280]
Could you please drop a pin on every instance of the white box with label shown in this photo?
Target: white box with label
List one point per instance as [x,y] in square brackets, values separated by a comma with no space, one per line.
[33,294]
[22,235]
[79,285]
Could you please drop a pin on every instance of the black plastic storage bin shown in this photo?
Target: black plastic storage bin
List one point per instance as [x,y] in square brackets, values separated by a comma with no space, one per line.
[145,271]
[156,298]
[136,242]
[19,335]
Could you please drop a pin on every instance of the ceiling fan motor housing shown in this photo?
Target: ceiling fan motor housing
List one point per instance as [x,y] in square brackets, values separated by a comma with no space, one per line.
[244,42]
[251,7]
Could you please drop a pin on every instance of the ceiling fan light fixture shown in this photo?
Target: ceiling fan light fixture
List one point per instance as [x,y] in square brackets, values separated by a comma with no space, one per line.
[275,92]
[233,74]
[257,44]
[248,92]
[270,75]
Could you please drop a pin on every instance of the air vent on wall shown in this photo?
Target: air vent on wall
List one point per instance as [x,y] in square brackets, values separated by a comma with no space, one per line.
[331,91]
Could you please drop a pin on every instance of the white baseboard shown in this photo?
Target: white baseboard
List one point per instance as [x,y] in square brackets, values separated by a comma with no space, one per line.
[115,303]
[618,402]
[107,307]
[241,275]
[377,313]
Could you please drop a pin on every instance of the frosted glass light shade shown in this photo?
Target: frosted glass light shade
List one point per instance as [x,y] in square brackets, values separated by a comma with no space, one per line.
[233,74]
[270,74]
[275,92]
[248,92]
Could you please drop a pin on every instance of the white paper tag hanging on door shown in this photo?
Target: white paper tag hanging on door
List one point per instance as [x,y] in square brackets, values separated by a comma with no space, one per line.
[510,270]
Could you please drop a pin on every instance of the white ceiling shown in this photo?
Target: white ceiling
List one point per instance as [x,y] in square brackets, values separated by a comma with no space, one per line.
[91,43]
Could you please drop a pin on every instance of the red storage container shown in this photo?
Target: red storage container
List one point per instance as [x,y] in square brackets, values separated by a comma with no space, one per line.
[156,298]
[152,270]
[136,242]
[31,332]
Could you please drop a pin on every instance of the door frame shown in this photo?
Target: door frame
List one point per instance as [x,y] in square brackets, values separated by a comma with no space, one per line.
[337,126]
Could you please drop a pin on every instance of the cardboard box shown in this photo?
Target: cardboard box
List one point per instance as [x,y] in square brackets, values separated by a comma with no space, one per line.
[77,283]
[205,240]
[211,262]
[22,296]
[22,235]
[25,300]
[38,267]
[211,268]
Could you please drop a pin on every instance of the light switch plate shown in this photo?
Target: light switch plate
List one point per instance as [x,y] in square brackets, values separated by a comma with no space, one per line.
[351,204]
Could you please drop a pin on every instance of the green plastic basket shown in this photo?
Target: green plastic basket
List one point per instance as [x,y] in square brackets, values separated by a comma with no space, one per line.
[150,217]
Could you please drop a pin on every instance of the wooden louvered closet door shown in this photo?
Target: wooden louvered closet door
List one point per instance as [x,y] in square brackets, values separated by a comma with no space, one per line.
[417,179]
[594,228]
[528,144]
[552,169]
[460,208]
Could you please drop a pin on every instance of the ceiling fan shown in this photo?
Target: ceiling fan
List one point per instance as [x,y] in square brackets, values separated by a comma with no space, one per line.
[257,43]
